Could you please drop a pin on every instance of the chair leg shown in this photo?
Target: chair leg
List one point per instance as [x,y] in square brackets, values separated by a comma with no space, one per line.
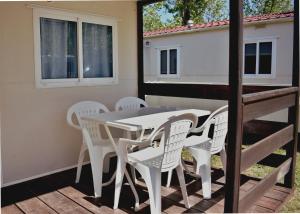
[206,179]
[128,135]
[202,158]
[195,166]
[97,171]
[133,174]
[152,178]
[119,181]
[179,170]
[169,178]
[106,163]
[80,162]
[223,159]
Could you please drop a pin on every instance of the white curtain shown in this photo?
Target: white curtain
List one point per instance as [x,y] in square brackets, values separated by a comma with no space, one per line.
[54,49]
[97,50]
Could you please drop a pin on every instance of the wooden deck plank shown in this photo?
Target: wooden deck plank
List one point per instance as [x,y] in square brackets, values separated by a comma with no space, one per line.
[259,209]
[191,210]
[11,209]
[276,187]
[59,193]
[61,204]
[275,194]
[269,203]
[81,199]
[34,205]
[169,206]
[216,208]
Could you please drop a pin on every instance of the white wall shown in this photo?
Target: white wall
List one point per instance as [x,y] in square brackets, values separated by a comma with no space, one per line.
[35,136]
[205,54]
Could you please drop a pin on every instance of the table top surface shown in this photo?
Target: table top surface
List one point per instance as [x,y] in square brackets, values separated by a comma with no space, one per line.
[144,118]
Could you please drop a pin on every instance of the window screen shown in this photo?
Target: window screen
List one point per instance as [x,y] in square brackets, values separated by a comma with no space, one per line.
[250,58]
[173,61]
[163,62]
[265,57]
[97,50]
[58,48]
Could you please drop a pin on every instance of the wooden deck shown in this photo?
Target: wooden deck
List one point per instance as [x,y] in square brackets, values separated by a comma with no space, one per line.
[59,194]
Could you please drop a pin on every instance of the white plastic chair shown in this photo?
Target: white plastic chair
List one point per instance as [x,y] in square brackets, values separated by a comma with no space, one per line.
[101,148]
[202,147]
[130,104]
[150,162]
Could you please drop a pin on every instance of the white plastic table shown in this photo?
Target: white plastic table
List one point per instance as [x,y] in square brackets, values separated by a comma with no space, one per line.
[132,121]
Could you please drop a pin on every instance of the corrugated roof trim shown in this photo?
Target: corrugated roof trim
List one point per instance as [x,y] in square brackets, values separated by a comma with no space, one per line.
[249,19]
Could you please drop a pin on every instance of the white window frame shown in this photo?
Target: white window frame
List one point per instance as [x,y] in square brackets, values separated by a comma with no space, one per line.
[79,18]
[273,40]
[168,75]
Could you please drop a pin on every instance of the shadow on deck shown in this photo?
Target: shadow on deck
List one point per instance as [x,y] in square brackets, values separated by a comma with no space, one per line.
[58,193]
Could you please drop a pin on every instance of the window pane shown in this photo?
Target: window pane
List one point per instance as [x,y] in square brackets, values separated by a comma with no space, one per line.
[97,50]
[58,49]
[250,58]
[163,62]
[173,61]
[265,57]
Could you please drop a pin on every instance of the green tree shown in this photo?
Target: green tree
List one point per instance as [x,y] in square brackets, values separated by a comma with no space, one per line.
[197,10]
[257,7]
[216,10]
[152,17]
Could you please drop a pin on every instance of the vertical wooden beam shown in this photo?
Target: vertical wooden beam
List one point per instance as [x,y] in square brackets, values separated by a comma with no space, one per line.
[235,124]
[291,149]
[140,50]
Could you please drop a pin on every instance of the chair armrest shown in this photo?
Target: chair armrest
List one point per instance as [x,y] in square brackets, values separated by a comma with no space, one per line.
[133,142]
[204,128]
[198,130]
[75,126]
[196,141]
[124,143]
[70,123]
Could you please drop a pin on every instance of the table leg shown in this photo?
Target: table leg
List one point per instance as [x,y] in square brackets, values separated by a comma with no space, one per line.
[119,174]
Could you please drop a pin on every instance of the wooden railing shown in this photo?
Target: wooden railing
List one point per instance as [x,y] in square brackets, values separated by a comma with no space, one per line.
[256,105]
[265,147]
[248,199]
[263,103]
[198,90]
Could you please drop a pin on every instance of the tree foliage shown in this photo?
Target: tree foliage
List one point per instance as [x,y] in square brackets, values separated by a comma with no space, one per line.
[152,17]
[257,7]
[181,11]
[197,10]
[201,11]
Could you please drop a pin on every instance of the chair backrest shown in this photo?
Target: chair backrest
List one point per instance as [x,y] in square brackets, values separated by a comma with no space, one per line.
[219,119]
[86,108]
[174,134]
[130,104]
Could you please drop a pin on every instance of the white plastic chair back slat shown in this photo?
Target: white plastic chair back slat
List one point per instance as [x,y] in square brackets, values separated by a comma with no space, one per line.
[130,104]
[220,122]
[172,141]
[87,108]
[219,119]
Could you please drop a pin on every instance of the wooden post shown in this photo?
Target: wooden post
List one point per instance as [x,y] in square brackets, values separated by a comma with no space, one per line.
[291,150]
[140,50]
[235,124]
